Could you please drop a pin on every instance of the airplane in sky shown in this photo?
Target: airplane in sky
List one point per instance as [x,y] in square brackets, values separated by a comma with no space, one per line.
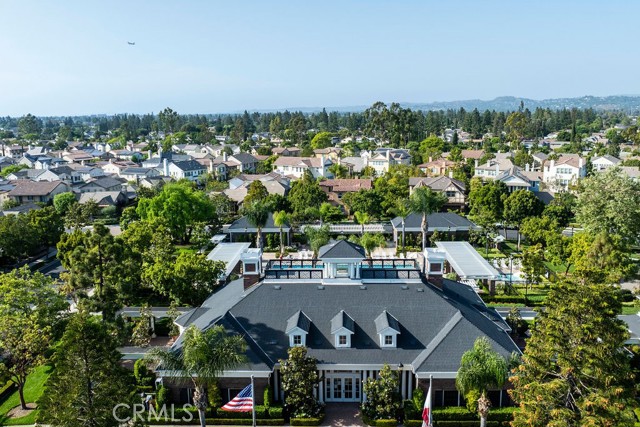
[131,43]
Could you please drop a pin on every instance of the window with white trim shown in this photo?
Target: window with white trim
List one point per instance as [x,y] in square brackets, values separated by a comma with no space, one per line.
[296,340]
[388,340]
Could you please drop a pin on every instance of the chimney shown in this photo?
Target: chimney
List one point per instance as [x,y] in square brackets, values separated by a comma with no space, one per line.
[451,174]
[526,167]
[250,280]
[430,159]
[160,151]
[475,162]
[580,162]
[435,280]
[224,156]
[148,154]
[497,168]
[165,168]
[552,165]
[388,154]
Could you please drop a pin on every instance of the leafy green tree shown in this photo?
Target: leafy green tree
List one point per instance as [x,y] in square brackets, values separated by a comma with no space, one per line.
[195,277]
[30,312]
[205,355]
[321,140]
[609,202]
[62,202]
[180,206]
[432,147]
[561,208]
[89,380]
[481,368]
[299,376]
[519,205]
[29,127]
[600,258]
[305,193]
[486,204]
[12,169]
[425,201]
[330,213]
[367,201]
[339,171]
[18,239]
[80,214]
[256,192]
[559,250]
[383,400]
[48,226]
[533,264]
[537,230]
[574,370]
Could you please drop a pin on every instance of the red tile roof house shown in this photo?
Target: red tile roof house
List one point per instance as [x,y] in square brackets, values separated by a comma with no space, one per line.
[336,188]
[40,191]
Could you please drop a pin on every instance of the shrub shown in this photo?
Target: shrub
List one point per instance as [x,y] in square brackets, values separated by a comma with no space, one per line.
[418,399]
[214,396]
[454,413]
[261,413]
[275,412]
[502,414]
[410,412]
[387,423]
[383,400]
[241,422]
[305,421]
[162,397]
[267,397]
[142,374]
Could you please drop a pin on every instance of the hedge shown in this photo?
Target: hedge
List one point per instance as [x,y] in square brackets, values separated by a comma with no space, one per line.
[466,423]
[275,412]
[261,413]
[245,422]
[305,421]
[386,423]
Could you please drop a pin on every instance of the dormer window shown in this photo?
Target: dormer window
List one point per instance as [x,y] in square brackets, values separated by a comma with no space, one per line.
[297,328]
[388,329]
[342,328]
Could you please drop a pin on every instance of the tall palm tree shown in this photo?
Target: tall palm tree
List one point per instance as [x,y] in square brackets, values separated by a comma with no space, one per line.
[425,201]
[205,355]
[280,219]
[317,237]
[258,215]
[402,209]
[370,242]
[481,368]
[362,218]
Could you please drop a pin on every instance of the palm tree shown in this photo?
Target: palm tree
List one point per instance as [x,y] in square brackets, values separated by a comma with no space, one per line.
[205,355]
[402,209]
[317,237]
[362,218]
[370,242]
[280,219]
[481,368]
[258,215]
[425,201]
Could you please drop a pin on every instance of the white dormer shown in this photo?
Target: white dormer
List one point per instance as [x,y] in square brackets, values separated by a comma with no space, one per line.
[298,328]
[342,327]
[388,329]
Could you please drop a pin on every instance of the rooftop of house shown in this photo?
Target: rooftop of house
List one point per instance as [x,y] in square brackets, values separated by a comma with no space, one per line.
[34,188]
[346,185]
[438,183]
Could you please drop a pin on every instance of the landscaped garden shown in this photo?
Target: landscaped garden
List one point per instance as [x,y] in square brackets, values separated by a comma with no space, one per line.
[33,389]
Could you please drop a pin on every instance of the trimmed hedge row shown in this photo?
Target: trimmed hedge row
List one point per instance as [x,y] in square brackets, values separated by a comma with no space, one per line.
[305,421]
[386,423]
[221,421]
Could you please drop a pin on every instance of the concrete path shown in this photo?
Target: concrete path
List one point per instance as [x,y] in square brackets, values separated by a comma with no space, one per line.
[342,415]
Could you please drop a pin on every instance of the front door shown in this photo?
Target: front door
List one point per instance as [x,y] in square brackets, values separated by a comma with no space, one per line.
[342,388]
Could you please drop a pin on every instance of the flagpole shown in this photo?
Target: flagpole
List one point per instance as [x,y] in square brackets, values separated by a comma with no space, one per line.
[253,403]
[430,398]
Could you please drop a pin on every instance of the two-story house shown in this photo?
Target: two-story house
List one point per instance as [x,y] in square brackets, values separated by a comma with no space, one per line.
[568,169]
[295,167]
[454,190]
[601,163]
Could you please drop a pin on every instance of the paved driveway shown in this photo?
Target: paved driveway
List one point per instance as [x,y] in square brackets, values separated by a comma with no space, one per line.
[342,414]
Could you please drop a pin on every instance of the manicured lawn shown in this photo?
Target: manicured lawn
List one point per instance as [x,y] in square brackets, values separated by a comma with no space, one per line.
[630,309]
[32,391]
[178,249]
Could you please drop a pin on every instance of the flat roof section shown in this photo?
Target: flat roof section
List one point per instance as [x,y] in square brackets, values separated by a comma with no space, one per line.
[466,261]
[229,253]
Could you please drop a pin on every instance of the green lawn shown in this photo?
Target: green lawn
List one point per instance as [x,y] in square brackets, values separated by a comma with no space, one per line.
[32,391]
[630,309]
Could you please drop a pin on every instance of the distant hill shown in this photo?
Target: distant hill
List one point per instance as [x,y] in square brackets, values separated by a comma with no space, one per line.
[628,103]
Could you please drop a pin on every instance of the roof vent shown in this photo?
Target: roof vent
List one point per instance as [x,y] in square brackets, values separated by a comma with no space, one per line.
[405,287]
[276,287]
[363,288]
[320,288]
[420,289]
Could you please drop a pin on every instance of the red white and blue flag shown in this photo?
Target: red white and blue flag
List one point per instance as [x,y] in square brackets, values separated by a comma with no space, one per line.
[427,416]
[243,402]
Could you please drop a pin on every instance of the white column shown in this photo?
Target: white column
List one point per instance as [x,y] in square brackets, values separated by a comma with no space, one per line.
[409,385]
[275,385]
[321,388]
[403,384]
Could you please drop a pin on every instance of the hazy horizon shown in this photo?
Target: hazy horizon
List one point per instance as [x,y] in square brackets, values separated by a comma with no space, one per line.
[72,58]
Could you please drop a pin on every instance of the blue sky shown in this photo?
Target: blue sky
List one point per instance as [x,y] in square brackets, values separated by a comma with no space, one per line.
[72,57]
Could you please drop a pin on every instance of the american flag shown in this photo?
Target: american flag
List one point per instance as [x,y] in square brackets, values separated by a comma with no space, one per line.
[243,402]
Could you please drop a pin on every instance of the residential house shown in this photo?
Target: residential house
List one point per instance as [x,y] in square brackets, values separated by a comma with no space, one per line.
[375,317]
[453,189]
[601,163]
[539,158]
[185,169]
[107,183]
[116,167]
[295,167]
[136,173]
[439,167]
[493,167]
[332,153]
[36,191]
[286,151]
[246,162]
[559,174]
[383,158]
[104,198]
[274,184]
[336,188]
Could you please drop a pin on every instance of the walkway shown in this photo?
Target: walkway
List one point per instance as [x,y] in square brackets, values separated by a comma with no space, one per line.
[342,415]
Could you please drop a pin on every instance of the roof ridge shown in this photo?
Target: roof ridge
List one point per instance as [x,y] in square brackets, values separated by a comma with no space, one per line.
[435,341]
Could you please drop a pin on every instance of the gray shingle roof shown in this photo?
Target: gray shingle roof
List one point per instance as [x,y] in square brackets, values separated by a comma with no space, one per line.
[440,220]
[188,165]
[342,320]
[341,249]
[385,321]
[298,320]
